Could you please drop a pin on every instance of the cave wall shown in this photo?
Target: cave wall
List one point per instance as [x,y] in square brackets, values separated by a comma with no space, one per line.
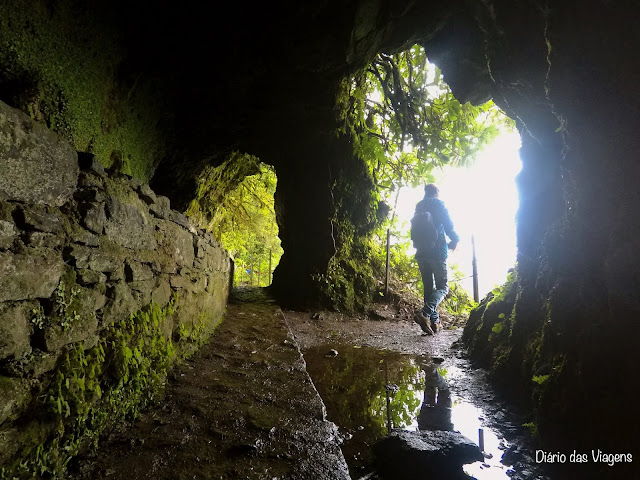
[102,288]
[570,318]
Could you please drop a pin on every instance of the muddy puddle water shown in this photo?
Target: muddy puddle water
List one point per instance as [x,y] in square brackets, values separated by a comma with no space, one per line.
[367,391]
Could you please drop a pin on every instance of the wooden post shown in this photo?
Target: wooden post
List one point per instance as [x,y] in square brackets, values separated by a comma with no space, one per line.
[386,280]
[474,265]
[481,439]
[270,272]
[259,269]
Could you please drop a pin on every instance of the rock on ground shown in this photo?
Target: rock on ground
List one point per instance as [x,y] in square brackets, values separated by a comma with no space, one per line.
[409,455]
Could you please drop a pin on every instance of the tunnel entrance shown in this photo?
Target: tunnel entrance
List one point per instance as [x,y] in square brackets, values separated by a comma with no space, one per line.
[249,230]
[244,221]
[482,199]
[416,132]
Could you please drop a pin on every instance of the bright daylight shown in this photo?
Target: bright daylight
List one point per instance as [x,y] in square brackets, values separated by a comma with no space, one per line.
[470,153]
[482,200]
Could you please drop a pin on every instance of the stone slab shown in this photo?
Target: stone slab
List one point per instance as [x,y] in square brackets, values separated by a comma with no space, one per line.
[37,166]
[128,226]
[8,234]
[175,244]
[34,274]
[14,394]
[408,454]
[15,329]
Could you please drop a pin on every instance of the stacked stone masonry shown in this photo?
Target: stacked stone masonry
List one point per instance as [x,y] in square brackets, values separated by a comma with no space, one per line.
[103,245]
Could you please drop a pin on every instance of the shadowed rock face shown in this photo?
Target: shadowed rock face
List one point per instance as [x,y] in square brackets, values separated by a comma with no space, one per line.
[37,166]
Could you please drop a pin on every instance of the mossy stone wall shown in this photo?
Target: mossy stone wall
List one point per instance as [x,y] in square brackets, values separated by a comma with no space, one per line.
[102,288]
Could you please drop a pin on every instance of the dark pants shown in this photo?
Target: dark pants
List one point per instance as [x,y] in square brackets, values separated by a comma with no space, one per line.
[433,271]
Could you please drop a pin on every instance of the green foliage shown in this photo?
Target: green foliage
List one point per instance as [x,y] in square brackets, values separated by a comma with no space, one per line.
[38,318]
[94,389]
[497,327]
[533,428]
[63,68]
[235,201]
[500,293]
[406,121]
[248,228]
[540,379]
[457,300]
[215,183]
[66,301]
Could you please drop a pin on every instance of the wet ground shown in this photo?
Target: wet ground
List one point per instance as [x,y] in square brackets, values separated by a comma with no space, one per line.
[374,375]
[245,406]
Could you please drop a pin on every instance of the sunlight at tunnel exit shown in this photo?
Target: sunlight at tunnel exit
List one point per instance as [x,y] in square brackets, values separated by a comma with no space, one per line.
[482,200]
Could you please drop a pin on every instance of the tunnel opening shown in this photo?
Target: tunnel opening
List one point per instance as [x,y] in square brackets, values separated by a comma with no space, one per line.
[482,199]
[411,130]
[235,202]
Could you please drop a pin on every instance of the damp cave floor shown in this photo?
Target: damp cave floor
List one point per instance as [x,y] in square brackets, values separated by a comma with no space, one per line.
[244,406]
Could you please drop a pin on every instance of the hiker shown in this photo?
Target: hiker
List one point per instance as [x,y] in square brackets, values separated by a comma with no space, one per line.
[435,412]
[431,254]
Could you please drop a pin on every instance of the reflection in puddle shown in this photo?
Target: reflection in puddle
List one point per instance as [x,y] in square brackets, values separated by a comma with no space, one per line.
[367,390]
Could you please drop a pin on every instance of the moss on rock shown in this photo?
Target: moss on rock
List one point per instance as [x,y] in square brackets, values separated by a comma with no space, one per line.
[63,65]
[93,389]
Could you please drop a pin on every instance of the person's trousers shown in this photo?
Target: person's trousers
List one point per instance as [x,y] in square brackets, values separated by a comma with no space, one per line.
[434,278]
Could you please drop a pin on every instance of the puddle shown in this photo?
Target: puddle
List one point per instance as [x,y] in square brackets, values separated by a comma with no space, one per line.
[367,391]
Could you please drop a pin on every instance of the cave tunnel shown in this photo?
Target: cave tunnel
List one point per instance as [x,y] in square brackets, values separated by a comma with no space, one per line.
[162,95]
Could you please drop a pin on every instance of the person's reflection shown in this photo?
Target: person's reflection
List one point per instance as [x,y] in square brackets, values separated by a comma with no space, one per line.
[435,412]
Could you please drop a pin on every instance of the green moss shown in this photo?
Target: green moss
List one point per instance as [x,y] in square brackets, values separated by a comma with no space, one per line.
[215,183]
[97,388]
[61,66]
[67,301]
[350,280]
[540,379]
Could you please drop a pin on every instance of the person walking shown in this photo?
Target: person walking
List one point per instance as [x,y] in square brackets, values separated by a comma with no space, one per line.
[431,255]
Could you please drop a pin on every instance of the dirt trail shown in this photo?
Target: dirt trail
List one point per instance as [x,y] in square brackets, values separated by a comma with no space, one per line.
[242,407]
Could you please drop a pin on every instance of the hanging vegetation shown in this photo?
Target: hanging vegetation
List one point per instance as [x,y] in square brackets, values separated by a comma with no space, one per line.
[405,122]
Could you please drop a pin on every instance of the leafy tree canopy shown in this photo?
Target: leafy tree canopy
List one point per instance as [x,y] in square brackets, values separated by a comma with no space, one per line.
[406,121]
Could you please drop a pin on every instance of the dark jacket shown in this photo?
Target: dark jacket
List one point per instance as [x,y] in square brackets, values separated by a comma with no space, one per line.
[444,224]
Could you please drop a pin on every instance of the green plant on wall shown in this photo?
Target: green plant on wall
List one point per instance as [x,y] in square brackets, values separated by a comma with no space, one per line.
[406,121]
[96,388]
[65,302]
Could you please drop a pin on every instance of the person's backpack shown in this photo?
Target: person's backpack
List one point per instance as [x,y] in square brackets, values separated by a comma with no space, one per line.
[424,232]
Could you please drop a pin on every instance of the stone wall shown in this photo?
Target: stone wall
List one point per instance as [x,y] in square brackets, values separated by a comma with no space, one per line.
[89,262]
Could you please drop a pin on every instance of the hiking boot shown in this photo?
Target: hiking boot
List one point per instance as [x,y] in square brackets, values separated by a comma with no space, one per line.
[435,326]
[423,321]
